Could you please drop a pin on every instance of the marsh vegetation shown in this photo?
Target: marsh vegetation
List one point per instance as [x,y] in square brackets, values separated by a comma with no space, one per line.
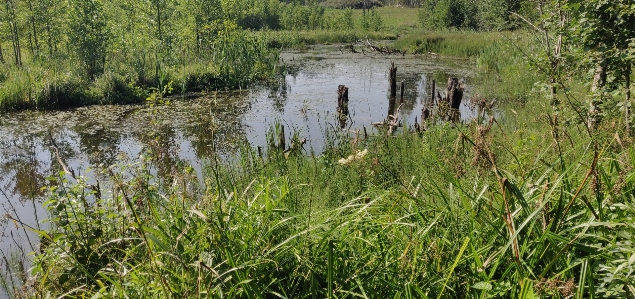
[531,196]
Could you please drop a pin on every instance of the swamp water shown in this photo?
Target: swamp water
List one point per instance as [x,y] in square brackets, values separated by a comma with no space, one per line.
[304,101]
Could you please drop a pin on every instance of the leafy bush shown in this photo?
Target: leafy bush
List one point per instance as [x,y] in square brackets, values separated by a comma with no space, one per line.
[111,88]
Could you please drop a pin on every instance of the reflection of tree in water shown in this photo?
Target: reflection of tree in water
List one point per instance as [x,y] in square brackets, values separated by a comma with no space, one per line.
[411,92]
[28,173]
[214,134]
[162,141]
[278,94]
[101,145]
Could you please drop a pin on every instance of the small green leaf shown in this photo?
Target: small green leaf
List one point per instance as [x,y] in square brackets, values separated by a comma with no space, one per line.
[482,285]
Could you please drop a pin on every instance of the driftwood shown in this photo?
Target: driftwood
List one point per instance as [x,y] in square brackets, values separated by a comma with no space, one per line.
[348,47]
[297,145]
[385,50]
[392,121]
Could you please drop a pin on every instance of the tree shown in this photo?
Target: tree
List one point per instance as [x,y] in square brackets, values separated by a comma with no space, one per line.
[89,35]
[12,21]
[47,19]
[207,18]
[605,32]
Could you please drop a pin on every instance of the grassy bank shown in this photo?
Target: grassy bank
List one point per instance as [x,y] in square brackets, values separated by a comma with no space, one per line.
[237,59]
[500,208]
[230,57]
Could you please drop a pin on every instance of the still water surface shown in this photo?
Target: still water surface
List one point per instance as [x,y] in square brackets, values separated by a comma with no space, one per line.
[304,100]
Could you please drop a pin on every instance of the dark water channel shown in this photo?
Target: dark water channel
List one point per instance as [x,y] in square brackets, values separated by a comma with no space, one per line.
[196,129]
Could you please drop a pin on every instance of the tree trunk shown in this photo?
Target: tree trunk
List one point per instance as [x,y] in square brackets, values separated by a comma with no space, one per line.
[36,49]
[454,93]
[1,56]
[627,104]
[281,138]
[599,79]
[434,86]
[15,37]
[159,33]
[342,100]
[392,77]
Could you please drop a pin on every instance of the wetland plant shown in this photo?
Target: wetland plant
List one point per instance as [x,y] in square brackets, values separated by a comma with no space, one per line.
[456,213]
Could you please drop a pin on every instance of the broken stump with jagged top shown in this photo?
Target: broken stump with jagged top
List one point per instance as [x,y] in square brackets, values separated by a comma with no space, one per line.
[342,100]
[454,93]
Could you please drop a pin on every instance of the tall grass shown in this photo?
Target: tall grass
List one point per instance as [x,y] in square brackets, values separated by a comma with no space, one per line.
[459,212]
[236,59]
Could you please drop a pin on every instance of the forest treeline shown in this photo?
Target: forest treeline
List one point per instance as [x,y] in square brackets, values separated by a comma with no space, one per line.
[77,52]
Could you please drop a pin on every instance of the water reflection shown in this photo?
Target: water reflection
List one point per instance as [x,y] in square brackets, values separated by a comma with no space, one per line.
[188,131]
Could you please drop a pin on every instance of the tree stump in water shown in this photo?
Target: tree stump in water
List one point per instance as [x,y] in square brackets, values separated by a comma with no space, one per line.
[392,77]
[392,103]
[281,138]
[342,100]
[425,114]
[434,86]
[454,93]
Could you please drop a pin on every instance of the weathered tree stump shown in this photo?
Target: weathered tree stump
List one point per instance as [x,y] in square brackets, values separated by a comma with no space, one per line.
[392,103]
[434,86]
[454,93]
[425,114]
[281,138]
[417,126]
[342,100]
[392,78]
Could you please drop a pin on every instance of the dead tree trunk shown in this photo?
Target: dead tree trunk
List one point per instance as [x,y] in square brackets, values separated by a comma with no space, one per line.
[434,86]
[281,138]
[393,80]
[454,93]
[425,114]
[401,91]
[392,103]
[342,100]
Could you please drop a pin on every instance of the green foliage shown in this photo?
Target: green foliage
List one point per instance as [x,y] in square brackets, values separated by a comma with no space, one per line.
[402,216]
[357,4]
[89,35]
[89,52]
[371,21]
[111,88]
[475,15]
[602,35]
